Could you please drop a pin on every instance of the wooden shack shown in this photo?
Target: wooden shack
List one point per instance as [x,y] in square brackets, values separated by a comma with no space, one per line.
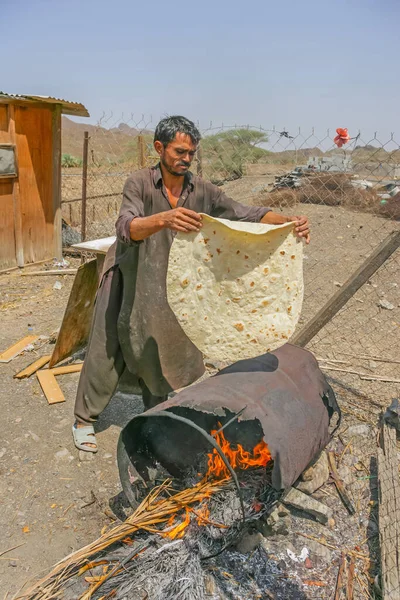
[30,177]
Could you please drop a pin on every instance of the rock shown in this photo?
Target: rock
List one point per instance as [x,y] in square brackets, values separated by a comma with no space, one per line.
[85,456]
[308,564]
[361,430]
[62,423]
[57,285]
[249,542]
[12,563]
[2,452]
[303,503]
[63,454]
[319,551]
[35,437]
[107,455]
[315,476]
[383,303]
[346,474]
[277,523]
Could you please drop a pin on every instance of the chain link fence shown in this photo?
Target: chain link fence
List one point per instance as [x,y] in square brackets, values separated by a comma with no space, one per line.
[351,195]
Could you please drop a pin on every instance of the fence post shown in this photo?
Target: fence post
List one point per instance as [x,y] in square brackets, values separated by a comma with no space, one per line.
[199,162]
[84,184]
[141,151]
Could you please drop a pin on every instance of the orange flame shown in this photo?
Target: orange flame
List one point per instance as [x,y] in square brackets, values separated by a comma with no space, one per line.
[238,458]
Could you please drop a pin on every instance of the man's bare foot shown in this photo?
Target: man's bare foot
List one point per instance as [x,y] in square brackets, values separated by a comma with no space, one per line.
[82,443]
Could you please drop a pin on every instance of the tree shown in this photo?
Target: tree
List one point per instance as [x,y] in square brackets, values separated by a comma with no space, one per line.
[226,153]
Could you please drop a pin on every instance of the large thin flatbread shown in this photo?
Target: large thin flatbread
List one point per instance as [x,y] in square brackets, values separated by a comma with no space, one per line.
[236,288]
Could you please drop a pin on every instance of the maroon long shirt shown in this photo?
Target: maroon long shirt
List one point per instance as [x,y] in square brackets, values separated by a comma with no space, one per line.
[154,346]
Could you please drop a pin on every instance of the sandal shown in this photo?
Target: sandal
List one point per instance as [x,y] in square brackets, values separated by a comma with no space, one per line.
[84,436]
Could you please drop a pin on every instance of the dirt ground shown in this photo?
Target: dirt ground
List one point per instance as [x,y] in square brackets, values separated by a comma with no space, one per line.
[52,501]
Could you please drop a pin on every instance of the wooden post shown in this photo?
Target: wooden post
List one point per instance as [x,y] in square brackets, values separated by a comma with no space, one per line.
[389,513]
[199,162]
[19,246]
[141,151]
[56,142]
[343,295]
[84,183]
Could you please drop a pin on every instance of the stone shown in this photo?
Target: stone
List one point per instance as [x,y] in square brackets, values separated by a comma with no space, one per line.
[62,423]
[346,474]
[319,552]
[63,454]
[383,303]
[277,523]
[315,476]
[107,455]
[86,456]
[35,437]
[361,430]
[303,503]
[249,542]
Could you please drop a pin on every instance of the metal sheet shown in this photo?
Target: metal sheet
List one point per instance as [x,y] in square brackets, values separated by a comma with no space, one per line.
[284,393]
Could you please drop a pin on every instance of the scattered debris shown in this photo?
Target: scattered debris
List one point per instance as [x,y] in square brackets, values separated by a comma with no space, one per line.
[50,387]
[296,499]
[315,476]
[33,367]
[383,303]
[339,484]
[17,348]
[57,285]
[48,382]
[50,272]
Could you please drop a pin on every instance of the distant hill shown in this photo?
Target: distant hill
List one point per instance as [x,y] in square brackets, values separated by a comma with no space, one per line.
[107,146]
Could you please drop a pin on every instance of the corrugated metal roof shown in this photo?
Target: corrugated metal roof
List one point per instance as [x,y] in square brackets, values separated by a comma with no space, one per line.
[67,107]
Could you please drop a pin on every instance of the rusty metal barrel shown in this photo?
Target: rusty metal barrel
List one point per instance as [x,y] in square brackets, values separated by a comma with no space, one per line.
[281,397]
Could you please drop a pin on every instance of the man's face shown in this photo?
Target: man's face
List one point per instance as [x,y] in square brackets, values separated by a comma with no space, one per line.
[178,154]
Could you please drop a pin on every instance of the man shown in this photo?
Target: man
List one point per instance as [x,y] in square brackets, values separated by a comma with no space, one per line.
[133,326]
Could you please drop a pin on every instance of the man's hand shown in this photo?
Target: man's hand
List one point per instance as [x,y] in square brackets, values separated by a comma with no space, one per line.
[302,227]
[181,219]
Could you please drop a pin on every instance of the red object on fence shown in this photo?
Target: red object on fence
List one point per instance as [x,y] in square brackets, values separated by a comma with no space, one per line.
[342,137]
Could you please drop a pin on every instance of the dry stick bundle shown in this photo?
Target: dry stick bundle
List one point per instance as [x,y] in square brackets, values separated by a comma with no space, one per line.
[152,512]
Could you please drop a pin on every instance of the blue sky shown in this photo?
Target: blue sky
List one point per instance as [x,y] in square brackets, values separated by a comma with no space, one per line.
[326,63]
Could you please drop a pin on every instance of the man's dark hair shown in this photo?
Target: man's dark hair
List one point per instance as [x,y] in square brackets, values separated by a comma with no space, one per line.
[167,129]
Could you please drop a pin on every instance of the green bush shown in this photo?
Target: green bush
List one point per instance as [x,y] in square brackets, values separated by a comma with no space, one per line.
[69,161]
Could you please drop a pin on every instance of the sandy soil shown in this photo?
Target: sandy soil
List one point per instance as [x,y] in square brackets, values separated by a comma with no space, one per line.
[51,501]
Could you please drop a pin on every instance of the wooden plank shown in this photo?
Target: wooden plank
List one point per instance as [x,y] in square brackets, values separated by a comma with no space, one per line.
[7,236]
[50,387]
[75,327]
[34,140]
[17,348]
[389,513]
[77,368]
[50,272]
[33,367]
[19,247]
[56,177]
[343,295]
